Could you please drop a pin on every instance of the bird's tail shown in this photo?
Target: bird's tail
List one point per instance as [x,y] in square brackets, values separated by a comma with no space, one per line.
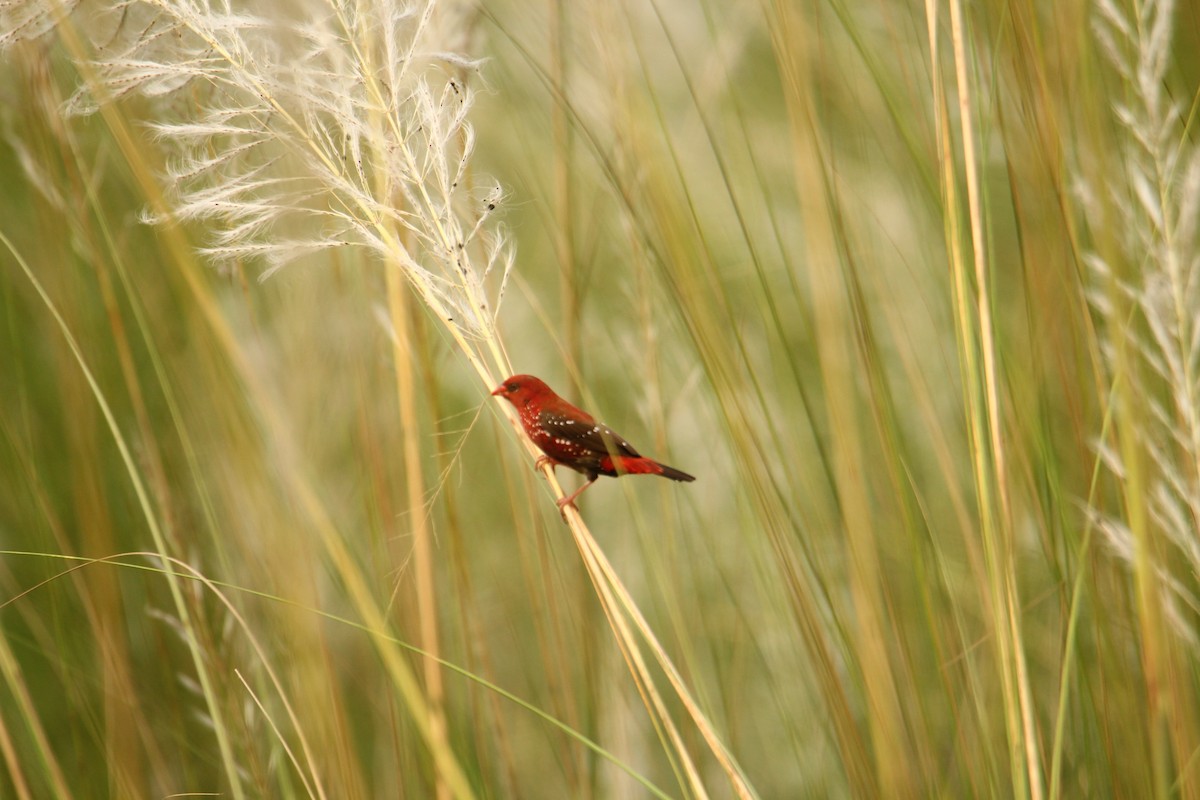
[646,466]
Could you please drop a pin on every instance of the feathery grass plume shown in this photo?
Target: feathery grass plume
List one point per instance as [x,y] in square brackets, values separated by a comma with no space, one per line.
[1151,308]
[313,125]
[21,20]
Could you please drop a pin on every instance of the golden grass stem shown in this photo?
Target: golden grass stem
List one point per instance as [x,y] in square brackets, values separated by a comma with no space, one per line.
[837,361]
[1009,621]
[407,377]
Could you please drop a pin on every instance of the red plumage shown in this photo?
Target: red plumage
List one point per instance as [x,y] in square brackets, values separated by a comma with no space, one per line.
[571,437]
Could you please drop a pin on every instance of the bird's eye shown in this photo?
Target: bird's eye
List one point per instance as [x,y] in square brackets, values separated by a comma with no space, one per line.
[512,387]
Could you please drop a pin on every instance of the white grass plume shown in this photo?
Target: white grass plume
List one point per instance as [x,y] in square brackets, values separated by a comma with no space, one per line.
[21,20]
[314,124]
[1158,198]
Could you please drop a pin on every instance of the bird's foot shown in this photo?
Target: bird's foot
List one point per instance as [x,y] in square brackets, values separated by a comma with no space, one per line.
[543,461]
[564,503]
[569,501]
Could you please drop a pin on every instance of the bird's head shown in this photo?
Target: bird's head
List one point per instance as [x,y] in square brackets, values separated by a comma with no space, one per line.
[521,389]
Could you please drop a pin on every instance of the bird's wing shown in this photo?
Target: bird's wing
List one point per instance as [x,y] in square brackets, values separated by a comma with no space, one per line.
[595,436]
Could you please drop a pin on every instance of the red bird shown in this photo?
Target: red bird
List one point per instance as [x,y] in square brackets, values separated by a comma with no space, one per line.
[572,438]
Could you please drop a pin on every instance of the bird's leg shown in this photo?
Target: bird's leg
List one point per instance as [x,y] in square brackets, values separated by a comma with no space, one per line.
[570,500]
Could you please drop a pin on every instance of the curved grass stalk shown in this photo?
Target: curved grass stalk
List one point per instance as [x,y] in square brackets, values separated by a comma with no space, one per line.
[207,686]
[188,573]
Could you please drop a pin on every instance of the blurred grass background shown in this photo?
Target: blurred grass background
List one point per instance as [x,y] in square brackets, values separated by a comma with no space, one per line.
[749,238]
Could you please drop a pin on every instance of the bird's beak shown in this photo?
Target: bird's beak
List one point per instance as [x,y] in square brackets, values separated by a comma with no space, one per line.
[498,390]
